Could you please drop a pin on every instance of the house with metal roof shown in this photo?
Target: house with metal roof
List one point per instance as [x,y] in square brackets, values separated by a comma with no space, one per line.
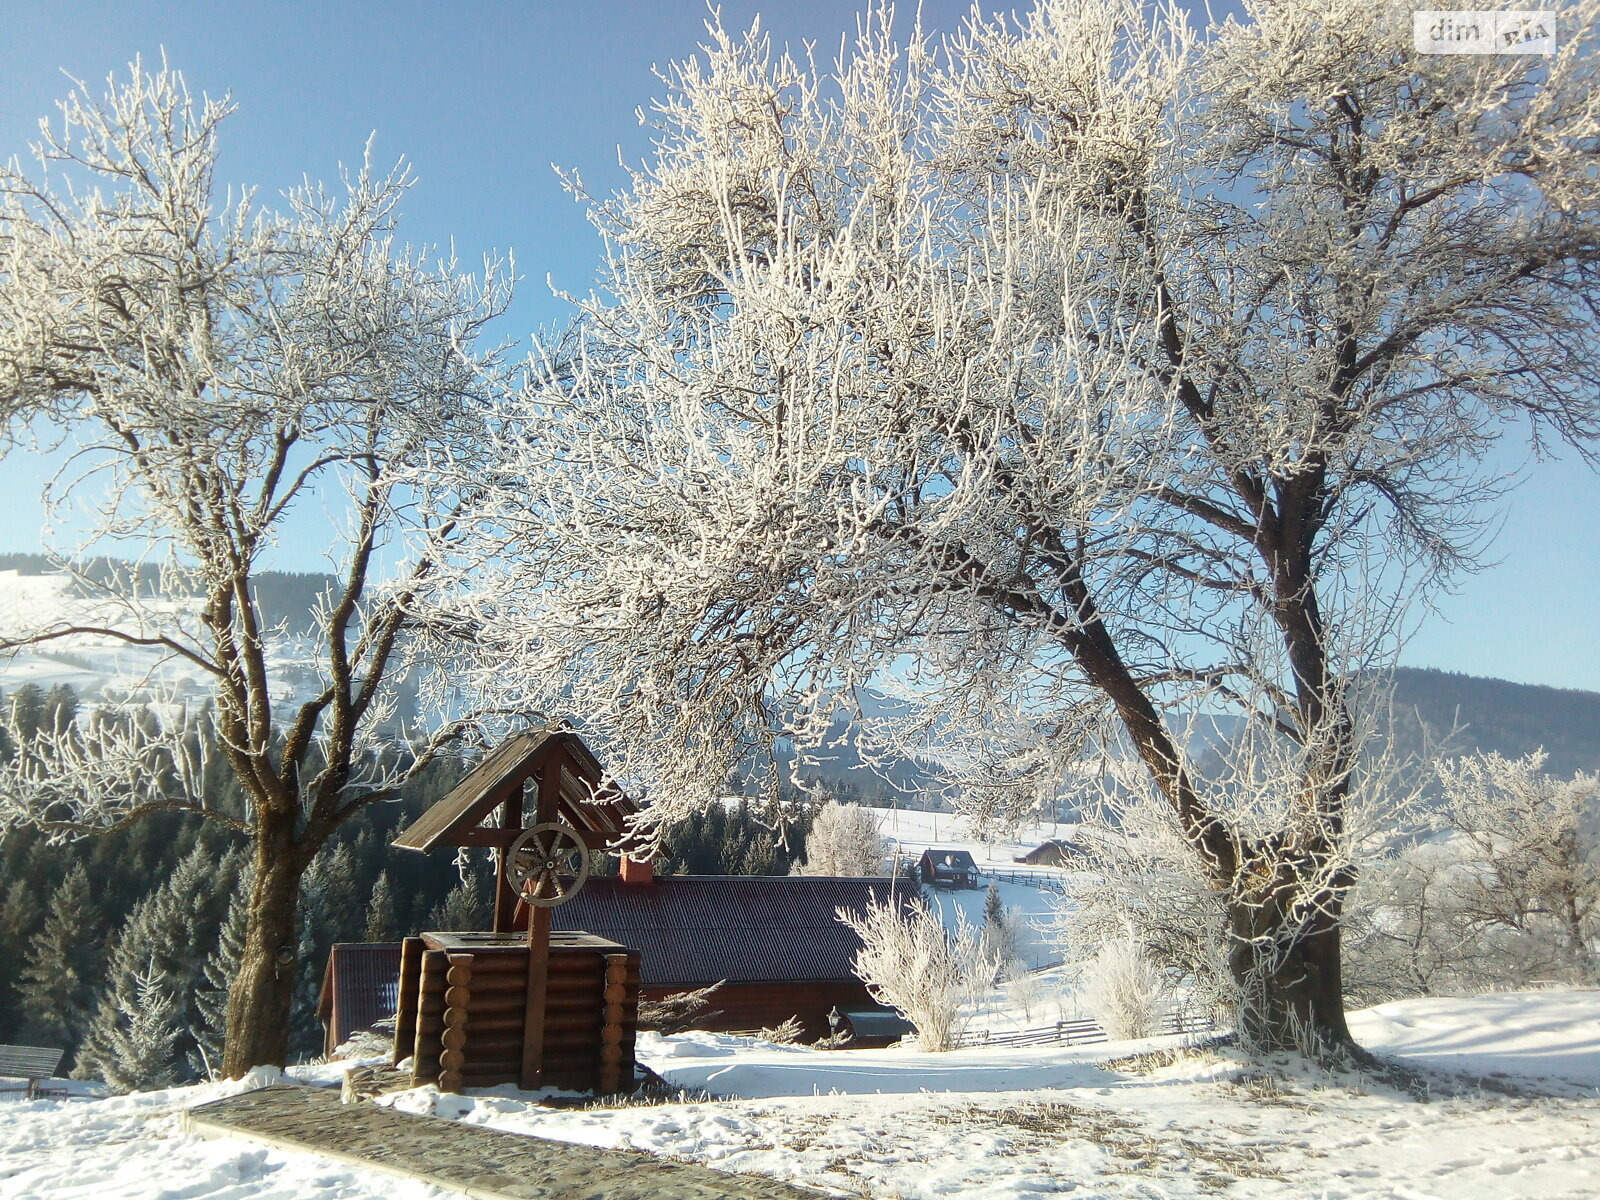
[776,941]
[1054,853]
[360,987]
[947,868]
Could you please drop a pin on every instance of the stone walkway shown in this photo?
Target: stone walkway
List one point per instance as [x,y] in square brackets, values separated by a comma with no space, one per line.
[467,1158]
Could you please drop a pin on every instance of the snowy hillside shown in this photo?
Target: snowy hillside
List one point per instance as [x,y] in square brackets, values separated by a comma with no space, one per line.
[102,668]
[978,1124]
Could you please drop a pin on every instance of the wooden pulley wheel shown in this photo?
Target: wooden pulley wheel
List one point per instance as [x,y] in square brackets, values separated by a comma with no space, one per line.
[548,863]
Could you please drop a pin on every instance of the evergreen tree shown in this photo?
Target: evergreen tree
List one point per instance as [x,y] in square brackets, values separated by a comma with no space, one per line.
[169,932]
[467,906]
[329,912]
[383,923]
[21,914]
[27,706]
[999,933]
[135,1032]
[60,707]
[57,985]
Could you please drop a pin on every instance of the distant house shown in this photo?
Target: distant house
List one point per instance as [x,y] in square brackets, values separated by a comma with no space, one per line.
[1054,853]
[948,868]
[777,942]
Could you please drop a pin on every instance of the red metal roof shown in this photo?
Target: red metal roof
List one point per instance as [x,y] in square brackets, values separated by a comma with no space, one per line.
[360,987]
[697,929]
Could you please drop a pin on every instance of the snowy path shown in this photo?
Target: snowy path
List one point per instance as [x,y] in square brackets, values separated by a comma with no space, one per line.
[482,1162]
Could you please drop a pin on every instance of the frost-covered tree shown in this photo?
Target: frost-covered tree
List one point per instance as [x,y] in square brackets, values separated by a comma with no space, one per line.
[909,961]
[1506,895]
[1000,933]
[1532,860]
[1086,375]
[844,840]
[168,934]
[212,366]
[135,1033]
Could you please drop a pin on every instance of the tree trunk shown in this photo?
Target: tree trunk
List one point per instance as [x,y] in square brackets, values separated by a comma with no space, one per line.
[1286,960]
[260,996]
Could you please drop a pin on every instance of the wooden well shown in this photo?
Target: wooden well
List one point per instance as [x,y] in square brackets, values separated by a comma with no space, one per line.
[539,1009]
[464,1014]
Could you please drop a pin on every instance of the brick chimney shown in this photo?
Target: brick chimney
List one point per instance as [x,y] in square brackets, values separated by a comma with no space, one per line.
[636,872]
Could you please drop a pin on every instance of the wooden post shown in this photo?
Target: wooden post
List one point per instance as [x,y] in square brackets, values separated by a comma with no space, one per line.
[405,1017]
[505,895]
[611,1031]
[453,1040]
[539,937]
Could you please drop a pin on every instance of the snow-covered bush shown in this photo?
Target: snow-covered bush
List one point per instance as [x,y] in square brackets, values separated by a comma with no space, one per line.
[844,840]
[1138,882]
[785,1033]
[1125,990]
[911,963]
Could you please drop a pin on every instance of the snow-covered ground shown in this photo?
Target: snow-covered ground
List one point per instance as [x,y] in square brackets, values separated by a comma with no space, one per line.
[979,1124]
[913,831]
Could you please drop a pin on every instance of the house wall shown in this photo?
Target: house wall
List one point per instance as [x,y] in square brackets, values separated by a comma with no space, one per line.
[765,1005]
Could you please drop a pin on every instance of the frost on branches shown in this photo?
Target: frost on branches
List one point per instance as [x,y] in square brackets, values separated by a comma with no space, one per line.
[212,365]
[1077,378]
[1505,895]
[844,841]
[909,961]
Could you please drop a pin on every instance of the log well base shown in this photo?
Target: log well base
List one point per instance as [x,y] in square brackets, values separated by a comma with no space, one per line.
[463,1000]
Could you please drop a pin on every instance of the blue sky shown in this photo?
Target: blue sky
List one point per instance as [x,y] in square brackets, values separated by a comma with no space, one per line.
[484,98]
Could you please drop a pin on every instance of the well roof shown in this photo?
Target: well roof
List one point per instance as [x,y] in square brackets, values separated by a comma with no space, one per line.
[522,756]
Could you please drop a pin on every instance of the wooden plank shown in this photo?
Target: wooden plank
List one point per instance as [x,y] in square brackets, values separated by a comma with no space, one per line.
[534,1005]
[425,1047]
[405,1017]
[546,808]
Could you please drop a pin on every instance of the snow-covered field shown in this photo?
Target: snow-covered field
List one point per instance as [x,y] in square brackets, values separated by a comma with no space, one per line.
[103,668]
[984,1124]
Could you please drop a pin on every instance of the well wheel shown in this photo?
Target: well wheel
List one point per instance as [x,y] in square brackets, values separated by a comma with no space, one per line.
[548,864]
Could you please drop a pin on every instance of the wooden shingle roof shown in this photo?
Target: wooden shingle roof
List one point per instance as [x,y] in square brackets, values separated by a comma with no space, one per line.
[586,803]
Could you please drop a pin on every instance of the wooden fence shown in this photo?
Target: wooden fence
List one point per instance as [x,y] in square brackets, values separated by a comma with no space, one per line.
[1073,1033]
[1037,879]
